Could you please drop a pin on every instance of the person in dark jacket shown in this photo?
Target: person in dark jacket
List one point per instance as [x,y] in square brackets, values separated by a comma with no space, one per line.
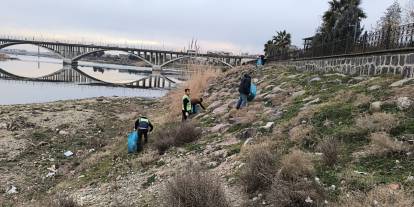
[244,90]
[143,125]
[186,105]
[195,102]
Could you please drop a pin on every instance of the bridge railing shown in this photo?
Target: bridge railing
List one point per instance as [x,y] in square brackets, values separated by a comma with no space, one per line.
[401,37]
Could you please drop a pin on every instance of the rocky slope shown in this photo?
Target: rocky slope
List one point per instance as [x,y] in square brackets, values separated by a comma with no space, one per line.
[372,119]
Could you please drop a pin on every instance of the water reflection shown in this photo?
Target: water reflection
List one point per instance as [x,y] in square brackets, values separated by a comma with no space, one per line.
[21,92]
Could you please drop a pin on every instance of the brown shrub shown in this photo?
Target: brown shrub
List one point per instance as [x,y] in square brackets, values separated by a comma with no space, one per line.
[361,99]
[383,142]
[295,193]
[194,188]
[176,134]
[295,165]
[300,133]
[379,196]
[377,122]
[61,200]
[260,168]
[329,148]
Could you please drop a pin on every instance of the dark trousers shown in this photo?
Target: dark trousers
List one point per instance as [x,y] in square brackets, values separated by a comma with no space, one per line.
[185,117]
[142,133]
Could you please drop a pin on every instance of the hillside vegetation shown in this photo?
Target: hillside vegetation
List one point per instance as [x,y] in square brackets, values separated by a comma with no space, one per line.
[307,139]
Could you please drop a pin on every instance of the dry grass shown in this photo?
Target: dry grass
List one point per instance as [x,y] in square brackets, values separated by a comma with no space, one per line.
[176,134]
[197,83]
[379,196]
[384,143]
[260,168]
[60,200]
[361,99]
[296,165]
[300,133]
[148,159]
[295,194]
[329,148]
[377,122]
[344,96]
[194,188]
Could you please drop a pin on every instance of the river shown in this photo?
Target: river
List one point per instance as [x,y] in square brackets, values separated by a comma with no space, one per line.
[24,92]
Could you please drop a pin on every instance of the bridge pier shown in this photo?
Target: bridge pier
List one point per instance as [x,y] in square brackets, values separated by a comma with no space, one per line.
[156,70]
[69,62]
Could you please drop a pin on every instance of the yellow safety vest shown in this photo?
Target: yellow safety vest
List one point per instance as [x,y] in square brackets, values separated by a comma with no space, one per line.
[189,107]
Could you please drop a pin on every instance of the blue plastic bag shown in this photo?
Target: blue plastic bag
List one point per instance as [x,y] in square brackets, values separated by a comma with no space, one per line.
[253,91]
[133,142]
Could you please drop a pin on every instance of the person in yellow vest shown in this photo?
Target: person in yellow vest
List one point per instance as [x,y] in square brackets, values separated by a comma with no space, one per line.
[186,108]
[143,125]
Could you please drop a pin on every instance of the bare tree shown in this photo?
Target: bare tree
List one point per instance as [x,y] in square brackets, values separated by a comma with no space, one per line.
[392,17]
[408,15]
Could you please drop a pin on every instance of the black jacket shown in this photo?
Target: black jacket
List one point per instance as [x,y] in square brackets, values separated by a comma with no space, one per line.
[245,83]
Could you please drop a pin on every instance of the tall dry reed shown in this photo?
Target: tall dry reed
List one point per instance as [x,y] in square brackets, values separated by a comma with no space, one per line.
[199,77]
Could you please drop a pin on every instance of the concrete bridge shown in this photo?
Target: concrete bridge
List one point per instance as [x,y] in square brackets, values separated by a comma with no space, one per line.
[157,59]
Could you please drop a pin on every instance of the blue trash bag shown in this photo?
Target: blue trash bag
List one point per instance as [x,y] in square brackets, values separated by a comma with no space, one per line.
[133,142]
[253,91]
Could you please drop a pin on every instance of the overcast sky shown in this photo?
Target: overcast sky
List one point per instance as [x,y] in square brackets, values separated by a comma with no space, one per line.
[233,25]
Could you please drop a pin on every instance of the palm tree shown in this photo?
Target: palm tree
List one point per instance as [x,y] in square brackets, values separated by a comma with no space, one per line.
[268,47]
[333,19]
[282,39]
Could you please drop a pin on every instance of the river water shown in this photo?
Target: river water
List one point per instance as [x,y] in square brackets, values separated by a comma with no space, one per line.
[23,92]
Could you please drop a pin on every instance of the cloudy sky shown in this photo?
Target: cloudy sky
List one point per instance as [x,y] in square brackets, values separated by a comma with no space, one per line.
[233,25]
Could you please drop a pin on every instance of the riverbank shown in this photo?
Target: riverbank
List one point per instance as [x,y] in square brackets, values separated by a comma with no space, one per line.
[343,133]
[3,57]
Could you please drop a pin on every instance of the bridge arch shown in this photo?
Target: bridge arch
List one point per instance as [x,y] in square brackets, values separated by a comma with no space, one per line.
[191,57]
[103,50]
[39,45]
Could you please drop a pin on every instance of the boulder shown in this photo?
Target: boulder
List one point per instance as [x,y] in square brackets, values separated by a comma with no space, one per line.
[218,128]
[248,141]
[404,103]
[315,79]
[298,93]
[214,105]
[374,88]
[376,106]
[268,127]
[278,90]
[220,110]
[401,82]
[315,101]
[246,133]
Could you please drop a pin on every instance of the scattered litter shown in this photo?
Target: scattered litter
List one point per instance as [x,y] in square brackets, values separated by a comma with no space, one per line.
[81,176]
[333,187]
[308,200]
[51,174]
[68,154]
[317,180]
[92,150]
[12,190]
[410,178]
[52,171]
[361,173]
